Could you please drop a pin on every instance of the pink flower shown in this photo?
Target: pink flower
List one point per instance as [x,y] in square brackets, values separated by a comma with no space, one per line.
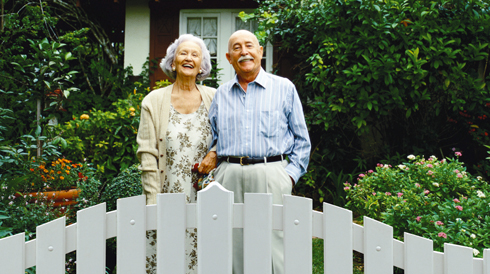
[429,166]
[388,193]
[426,191]
[457,153]
[347,183]
[418,218]
[361,175]
[439,223]
[430,172]
[460,175]
[454,149]
[460,208]
[400,194]
[456,171]
[442,235]
[417,185]
[456,200]
[374,193]
[379,165]
[370,171]
[346,188]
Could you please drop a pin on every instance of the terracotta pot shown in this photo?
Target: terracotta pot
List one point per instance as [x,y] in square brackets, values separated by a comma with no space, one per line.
[60,197]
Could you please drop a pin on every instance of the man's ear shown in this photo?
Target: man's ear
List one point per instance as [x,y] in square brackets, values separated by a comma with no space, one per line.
[228,57]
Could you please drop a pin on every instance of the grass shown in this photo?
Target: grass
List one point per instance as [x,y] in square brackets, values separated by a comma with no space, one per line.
[317,245]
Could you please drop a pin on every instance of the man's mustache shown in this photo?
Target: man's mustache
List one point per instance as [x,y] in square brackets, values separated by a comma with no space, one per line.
[245,58]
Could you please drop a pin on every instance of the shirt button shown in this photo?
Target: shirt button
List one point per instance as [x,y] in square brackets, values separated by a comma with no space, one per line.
[161,139]
[161,155]
[161,171]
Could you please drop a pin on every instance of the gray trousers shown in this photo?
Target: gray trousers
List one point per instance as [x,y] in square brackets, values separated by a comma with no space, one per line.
[257,178]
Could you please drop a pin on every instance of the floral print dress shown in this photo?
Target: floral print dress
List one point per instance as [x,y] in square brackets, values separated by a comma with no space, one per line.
[188,136]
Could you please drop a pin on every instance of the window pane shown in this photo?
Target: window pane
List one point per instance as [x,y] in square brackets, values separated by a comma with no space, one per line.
[240,24]
[194,26]
[210,26]
[211,44]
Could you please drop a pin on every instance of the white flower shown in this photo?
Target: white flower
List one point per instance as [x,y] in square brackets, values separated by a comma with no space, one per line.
[433,157]
[479,178]
[475,252]
[463,230]
[411,157]
[473,236]
[435,184]
[386,166]
[480,194]
[402,166]
[458,219]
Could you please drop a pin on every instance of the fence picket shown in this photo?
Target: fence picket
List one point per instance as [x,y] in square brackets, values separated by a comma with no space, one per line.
[418,255]
[337,240]
[486,261]
[297,234]
[91,239]
[214,236]
[257,233]
[12,253]
[457,259]
[50,247]
[378,247]
[171,230]
[131,235]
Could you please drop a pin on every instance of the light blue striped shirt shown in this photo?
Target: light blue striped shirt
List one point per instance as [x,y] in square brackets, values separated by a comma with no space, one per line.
[265,121]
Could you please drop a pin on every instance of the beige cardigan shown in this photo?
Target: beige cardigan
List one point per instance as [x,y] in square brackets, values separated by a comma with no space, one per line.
[152,130]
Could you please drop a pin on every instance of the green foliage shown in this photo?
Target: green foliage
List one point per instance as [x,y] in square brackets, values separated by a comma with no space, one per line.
[434,199]
[105,138]
[126,184]
[381,78]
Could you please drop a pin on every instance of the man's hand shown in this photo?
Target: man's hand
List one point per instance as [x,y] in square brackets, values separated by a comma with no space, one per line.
[208,163]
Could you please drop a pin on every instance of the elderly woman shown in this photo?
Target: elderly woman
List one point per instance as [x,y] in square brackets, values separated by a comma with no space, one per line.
[175,133]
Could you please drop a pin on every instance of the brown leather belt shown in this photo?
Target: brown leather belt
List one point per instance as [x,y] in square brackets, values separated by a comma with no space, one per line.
[245,160]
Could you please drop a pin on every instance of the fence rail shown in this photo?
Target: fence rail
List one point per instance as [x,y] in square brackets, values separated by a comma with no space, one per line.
[215,215]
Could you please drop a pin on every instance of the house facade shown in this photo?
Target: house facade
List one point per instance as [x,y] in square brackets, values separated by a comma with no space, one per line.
[152,25]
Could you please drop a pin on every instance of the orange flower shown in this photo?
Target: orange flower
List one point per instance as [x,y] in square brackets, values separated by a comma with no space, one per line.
[51,171]
[67,172]
[31,169]
[45,171]
[59,172]
[74,165]
[68,167]
[62,178]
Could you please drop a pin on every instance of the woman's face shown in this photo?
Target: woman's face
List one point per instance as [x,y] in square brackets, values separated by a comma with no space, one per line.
[188,59]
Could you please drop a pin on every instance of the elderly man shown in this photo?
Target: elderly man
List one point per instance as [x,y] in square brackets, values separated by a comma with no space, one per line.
[258,124]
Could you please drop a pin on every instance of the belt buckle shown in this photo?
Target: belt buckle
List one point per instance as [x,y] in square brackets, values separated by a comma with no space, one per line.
[241,163]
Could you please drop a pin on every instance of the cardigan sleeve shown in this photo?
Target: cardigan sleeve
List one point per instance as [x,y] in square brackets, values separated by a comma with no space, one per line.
[148,154]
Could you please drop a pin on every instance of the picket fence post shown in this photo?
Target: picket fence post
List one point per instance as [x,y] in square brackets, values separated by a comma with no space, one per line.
[216,216]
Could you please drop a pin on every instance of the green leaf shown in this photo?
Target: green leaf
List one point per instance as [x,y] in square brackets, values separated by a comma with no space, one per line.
[409,112]
[38,131]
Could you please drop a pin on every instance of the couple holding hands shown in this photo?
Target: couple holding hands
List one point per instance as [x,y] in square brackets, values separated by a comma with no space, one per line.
[251,129]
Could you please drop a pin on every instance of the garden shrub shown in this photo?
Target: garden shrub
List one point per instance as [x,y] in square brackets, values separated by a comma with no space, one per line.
[105,138]
[126,184]
[432,198]
[381,78]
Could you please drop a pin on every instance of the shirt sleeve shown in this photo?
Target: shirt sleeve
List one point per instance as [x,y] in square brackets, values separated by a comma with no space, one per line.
[147,155]
[300,154]
[213,115]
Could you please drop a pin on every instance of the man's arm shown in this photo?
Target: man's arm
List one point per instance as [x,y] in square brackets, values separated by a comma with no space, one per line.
[300,154]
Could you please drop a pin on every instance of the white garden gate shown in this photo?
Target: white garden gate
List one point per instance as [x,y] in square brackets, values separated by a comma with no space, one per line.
[214,216]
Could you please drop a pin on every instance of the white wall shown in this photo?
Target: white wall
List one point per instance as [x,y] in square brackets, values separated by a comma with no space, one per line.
[137,34]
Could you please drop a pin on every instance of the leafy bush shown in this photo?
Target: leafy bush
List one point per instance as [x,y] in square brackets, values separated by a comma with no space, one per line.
[105,138]
[126,184]
[436,199]
[381,78]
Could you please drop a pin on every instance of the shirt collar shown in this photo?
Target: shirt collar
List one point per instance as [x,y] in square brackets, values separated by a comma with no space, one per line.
[260,79]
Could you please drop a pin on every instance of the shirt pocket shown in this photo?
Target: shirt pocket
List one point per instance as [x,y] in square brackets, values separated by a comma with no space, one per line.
[270,123]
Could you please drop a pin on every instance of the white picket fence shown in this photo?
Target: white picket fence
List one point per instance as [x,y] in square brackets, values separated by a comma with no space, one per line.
[214,216]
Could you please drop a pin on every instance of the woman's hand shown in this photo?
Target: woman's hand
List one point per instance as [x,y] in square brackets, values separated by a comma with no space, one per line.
[208,163]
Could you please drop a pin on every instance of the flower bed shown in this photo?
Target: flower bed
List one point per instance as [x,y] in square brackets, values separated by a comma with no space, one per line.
[433,198]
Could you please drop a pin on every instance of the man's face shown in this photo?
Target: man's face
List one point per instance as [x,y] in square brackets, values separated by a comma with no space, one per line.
[244,54]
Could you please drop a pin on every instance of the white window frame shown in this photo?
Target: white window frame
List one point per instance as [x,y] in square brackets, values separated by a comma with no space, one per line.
[225,30]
